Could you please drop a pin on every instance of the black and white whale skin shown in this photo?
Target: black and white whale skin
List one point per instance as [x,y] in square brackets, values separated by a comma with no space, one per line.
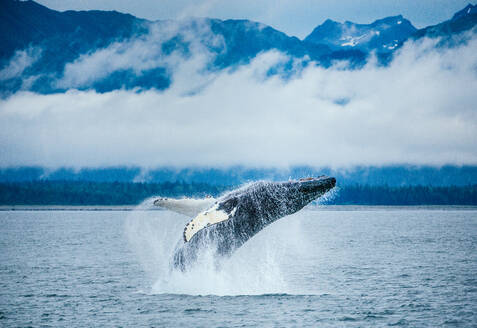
[242,213]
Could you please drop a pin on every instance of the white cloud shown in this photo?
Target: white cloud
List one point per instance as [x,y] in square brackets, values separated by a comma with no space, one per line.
[142,53]
[21,60]
[421,110]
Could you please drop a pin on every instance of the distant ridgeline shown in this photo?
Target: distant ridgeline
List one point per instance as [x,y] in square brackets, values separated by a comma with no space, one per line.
[389,185]
[39,45]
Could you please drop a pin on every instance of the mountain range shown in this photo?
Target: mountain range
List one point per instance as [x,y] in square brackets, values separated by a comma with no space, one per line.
[39,45]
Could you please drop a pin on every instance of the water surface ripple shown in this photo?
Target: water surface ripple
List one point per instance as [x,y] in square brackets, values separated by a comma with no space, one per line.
[358,268]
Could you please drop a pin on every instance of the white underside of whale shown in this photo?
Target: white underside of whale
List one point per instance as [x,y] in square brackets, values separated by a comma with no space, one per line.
[205,219]
[205,212]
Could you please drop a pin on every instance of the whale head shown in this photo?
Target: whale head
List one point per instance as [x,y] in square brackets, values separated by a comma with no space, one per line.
[312,188]
[300,193]
[272,200]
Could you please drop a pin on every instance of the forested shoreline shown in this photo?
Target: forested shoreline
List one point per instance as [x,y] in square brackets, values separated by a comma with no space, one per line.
[129,193]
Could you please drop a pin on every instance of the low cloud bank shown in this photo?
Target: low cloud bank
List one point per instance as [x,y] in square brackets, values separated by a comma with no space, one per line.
[420,110]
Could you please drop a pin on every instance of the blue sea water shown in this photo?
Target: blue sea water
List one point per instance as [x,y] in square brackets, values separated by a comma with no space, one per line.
[322,267]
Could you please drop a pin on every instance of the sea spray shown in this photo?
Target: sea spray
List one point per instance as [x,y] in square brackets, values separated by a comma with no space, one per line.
[153,235]
[258,267]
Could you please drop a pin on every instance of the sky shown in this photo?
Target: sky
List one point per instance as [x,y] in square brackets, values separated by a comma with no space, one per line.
[294,17]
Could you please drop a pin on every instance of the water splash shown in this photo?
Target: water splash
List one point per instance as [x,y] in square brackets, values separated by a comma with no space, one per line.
[258,267]
[328,197]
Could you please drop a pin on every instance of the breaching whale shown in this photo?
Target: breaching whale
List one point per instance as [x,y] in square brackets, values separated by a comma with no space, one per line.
[225,224]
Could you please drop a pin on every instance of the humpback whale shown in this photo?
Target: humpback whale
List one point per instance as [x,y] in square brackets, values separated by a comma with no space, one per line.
[223,225]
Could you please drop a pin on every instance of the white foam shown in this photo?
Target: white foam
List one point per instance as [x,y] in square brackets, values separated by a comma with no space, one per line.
[257,268]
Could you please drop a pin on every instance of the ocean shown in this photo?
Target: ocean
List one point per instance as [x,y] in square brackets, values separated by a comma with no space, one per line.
[321,267]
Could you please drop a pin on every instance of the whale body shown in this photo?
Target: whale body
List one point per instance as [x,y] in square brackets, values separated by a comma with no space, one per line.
[233,219]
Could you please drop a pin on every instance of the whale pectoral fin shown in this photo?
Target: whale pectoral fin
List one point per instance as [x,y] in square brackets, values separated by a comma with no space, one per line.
[186,206]
[205,219]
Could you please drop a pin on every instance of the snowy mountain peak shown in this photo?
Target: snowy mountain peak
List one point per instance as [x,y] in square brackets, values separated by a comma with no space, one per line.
[469,10]
[382,35]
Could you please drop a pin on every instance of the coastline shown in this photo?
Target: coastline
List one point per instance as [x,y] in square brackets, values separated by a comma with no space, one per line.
[312,207]
[74,208]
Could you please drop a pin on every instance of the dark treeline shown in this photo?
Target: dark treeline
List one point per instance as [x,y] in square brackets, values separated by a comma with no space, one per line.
[97,193]
[128,193]
[408,195]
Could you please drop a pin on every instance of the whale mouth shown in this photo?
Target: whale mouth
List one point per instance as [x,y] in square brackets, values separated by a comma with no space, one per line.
[315,187]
